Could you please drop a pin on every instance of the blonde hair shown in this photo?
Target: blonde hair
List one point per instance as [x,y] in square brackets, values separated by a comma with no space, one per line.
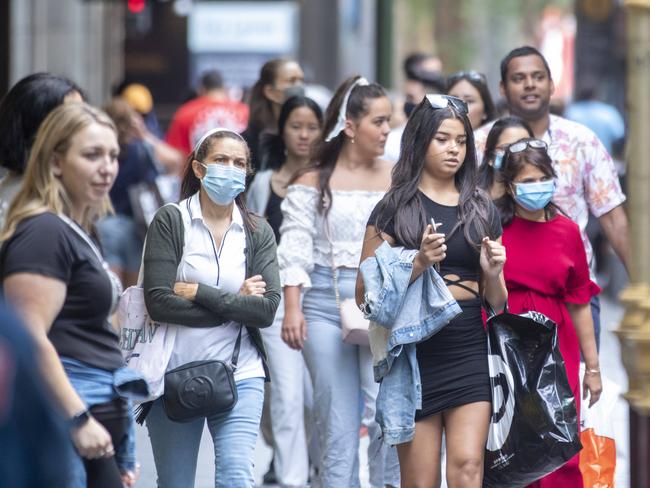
[42,191]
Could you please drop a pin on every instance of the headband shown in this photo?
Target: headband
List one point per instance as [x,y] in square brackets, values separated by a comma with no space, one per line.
[340,122]
[214,131]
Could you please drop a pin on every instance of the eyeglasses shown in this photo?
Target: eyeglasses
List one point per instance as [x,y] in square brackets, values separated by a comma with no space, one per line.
[443,101]
[523,145]
[470,75]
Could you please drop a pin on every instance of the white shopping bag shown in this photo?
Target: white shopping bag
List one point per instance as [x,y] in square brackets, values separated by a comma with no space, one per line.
[146,345]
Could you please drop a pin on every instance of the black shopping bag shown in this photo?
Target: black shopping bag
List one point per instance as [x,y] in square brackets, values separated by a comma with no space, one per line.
[534,427]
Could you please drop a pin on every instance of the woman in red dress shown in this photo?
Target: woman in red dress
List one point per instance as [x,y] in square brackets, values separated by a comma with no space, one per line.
[547,271]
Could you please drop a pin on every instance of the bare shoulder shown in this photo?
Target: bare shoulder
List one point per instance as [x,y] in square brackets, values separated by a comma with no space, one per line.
[384,169]
[309,178]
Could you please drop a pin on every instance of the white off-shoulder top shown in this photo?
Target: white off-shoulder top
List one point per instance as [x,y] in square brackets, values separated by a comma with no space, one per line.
[305,240]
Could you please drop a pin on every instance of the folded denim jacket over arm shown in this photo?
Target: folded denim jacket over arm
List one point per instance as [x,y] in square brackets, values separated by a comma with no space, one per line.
[401,315]
[96,386]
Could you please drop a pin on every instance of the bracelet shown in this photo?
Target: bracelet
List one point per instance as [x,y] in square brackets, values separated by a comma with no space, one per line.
[592,371]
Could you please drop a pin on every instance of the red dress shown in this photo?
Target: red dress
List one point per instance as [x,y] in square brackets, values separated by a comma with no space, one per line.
[546,267]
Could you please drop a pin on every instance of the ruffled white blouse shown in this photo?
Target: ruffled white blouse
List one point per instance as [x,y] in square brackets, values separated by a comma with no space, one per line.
[309,237]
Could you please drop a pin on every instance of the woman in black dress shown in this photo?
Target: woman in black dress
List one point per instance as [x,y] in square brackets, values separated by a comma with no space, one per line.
[434,179]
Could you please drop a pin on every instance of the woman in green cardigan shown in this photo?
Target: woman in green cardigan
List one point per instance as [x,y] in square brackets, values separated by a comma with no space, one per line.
[211,266]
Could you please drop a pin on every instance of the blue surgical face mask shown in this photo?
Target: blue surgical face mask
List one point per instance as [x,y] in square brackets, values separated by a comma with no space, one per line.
[498,160]
[223,183]
[534,196]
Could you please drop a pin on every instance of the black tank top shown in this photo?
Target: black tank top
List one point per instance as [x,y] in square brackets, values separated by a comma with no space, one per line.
[274,213]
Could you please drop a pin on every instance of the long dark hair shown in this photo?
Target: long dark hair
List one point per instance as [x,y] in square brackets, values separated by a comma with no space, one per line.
[272,147]
[23,109]
[261,108]
[191,184]
[513,163]
[402,201]
[327,153]
[478,81]
[486,173]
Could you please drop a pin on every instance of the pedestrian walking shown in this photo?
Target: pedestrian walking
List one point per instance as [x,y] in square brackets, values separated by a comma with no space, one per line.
[210,266]
[121,234]
[587,179]
[504,131]
[471,86]
[22,110]
[325,212]
[547,272]
[279,80]
[54,276]
[422,75]
[211,108]
[284,154]
[433,206]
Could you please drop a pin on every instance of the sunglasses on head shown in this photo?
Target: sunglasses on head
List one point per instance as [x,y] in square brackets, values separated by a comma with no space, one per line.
[523,145]
[443,101]
[470,75]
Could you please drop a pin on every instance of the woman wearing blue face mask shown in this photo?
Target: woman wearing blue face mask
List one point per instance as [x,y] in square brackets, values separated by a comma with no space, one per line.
[210,266]
[547,271]
[504,132]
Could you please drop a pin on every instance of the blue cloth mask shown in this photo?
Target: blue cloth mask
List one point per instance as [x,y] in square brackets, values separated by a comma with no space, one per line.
[534,196]
[223,183]
[498,160]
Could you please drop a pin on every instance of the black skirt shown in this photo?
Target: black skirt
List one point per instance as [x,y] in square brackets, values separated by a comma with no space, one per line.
[453,363]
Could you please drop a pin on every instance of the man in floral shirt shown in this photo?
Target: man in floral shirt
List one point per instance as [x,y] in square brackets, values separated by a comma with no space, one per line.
[587,180]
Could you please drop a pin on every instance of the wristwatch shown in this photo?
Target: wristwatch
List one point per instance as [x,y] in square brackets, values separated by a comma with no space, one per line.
[79,419]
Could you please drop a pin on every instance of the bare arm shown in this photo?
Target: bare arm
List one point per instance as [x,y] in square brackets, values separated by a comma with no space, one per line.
[38,300]
[584,326]
[493,285]
[615,226]
[294,327]
[372,239]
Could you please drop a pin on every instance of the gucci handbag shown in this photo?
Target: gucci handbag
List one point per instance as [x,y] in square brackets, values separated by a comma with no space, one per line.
[201,388]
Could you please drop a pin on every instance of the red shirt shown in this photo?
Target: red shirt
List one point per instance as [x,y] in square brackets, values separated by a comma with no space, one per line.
[196,117]
[545,269]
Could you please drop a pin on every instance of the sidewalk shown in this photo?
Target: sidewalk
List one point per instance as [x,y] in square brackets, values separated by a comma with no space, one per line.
[611,366]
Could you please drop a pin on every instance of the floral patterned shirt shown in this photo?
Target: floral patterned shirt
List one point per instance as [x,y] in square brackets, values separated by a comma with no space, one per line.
[586,177]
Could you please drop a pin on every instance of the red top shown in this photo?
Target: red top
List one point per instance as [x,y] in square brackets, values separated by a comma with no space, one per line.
[546,268]
[196,117]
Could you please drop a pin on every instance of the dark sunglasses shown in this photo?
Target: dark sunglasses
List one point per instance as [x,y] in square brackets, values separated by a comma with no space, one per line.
[470,75]
[523,145]
[443,101]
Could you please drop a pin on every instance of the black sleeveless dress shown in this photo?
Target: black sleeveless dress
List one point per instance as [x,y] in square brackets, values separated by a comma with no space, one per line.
[453,362]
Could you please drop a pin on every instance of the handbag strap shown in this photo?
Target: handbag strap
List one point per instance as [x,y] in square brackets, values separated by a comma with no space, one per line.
[235,352]
[335,271]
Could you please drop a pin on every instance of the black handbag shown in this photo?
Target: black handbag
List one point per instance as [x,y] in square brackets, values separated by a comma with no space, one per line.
[201,388]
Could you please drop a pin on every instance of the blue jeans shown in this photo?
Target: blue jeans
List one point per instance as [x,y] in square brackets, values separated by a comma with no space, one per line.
[342,377]
[176,445]
[121,243]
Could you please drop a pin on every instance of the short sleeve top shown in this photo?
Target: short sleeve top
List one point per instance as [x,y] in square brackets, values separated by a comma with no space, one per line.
[463,258]
[46,245]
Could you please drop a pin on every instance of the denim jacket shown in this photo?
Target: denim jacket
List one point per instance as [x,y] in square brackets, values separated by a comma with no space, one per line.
[96,386]
[401,315]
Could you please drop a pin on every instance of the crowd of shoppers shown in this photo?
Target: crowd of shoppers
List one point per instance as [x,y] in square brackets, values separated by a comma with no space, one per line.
[253,265]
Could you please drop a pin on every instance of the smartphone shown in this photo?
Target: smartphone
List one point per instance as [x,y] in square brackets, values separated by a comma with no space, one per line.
[436,266]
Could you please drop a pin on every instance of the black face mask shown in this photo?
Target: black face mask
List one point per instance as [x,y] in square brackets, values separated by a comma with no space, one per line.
[409,107]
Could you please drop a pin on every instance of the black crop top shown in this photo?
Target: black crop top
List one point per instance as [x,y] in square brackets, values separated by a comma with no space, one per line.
[462,257]
[274,214]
